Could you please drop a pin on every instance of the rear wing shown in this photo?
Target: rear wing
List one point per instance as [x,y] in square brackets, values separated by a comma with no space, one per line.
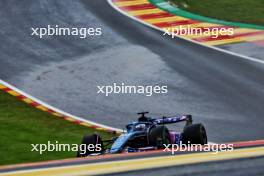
[176,119]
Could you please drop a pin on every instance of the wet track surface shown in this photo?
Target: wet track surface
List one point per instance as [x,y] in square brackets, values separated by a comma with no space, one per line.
[254,50]
[224,92]
[242,167]
[185,163]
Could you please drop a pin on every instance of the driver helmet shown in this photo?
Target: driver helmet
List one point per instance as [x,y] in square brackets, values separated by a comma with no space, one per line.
[140,126]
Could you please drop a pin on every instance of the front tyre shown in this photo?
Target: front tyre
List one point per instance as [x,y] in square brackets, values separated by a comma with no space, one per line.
[85,150]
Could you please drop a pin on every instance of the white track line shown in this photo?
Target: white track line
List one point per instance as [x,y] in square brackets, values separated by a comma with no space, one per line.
[58,110]
[212,47]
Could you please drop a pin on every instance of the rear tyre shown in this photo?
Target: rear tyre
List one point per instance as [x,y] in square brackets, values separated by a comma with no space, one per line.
[95,140]
[159,136]
[194,134]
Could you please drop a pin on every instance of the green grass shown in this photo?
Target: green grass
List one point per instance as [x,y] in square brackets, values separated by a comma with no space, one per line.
[22,125]
[245,11]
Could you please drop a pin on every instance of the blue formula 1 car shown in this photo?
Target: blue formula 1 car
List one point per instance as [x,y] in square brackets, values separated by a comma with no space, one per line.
[145,134]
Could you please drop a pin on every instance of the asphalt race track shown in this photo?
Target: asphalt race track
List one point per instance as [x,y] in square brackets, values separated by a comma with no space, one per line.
[243,167]
[224,92]
[242,161]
